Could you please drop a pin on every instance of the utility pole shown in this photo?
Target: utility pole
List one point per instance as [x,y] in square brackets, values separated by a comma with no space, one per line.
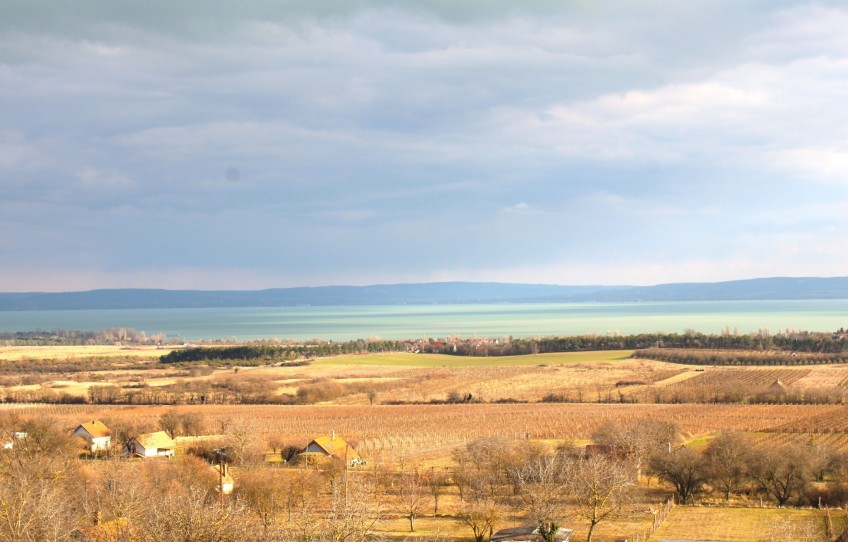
[347,503]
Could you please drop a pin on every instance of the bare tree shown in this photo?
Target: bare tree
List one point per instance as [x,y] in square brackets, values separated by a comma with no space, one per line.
[276,443]
[43,436]
[640,441]
[264,492]
[545,482]
[409,497]
[242,443]
[727,458]
[170,422]
[348,517]
[782,472]
[123,494]
[300,488]
[601,485]
[481,518]
[435,480]
[191,423]
[34,504]
[190,516]
[684,469]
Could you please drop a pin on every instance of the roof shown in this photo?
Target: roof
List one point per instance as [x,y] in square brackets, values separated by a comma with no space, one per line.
[96,429]
[159,440]
[335,446]
[529,532]
[778,387]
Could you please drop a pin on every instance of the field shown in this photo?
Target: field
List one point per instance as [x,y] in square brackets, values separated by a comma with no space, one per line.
[14,353]
[743,524]
[403,410]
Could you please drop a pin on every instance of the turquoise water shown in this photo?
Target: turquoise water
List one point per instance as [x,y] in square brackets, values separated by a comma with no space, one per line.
[414,321]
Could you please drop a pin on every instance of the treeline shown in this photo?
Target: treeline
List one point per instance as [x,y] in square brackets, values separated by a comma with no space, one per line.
[243,390]
[266,353]
[65,337]
[788,342]
[822,343]
[739,357]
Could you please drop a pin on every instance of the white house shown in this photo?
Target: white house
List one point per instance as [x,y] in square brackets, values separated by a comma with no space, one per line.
[96,434]
[157,444]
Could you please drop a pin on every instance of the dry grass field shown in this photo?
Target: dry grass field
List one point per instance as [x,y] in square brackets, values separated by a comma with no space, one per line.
[747,524]
[14,353]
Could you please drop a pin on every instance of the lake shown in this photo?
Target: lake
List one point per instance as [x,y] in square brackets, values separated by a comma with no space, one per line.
[414,321]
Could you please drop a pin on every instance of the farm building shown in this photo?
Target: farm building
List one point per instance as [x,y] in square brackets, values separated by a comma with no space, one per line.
[529,533]
[96,434]
[333,446]
[778,388]
[157,444]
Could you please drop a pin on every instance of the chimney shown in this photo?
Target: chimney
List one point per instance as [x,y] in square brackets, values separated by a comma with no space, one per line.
[98,519]
[332,435]
[667,448]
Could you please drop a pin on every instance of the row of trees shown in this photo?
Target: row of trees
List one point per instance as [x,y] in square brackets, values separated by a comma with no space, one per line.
[732,465]
[787,342]
[65,337]
[268,353]
[761,341]
[739,357]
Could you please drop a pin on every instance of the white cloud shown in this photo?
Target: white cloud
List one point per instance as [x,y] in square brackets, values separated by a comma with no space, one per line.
[813,164]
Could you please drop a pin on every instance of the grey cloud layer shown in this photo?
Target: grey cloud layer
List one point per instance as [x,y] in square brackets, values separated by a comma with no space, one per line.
[351,142]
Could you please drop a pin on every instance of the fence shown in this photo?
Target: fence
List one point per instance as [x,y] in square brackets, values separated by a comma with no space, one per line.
[659,517]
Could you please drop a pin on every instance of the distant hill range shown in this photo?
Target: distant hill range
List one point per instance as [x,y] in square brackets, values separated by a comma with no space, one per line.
[431,293]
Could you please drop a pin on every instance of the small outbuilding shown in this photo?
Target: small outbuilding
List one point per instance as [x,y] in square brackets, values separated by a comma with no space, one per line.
[333,446]
[157,444]
[778,388]
[96,434]
[529,533]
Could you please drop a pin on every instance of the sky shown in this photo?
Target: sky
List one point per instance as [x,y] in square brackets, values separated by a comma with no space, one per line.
[209,144]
